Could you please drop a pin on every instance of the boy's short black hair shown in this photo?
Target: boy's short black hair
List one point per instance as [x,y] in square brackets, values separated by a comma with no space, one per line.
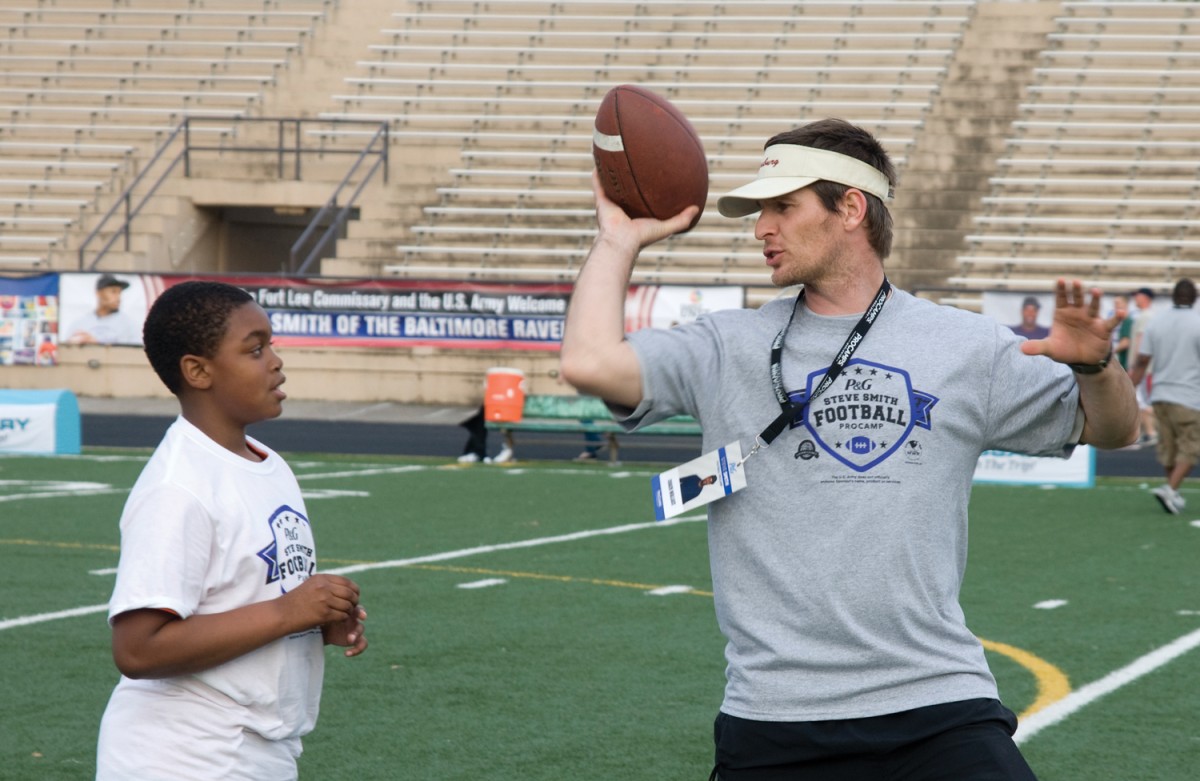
[188,319]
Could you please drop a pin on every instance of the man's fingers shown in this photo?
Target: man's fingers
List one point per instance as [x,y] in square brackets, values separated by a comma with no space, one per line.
[682,220]
[1060,293]
[1033,346]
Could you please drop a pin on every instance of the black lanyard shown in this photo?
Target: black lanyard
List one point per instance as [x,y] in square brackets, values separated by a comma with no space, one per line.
[790,409]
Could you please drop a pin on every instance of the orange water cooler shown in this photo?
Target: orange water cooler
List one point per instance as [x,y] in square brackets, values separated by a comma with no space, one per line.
[504,395]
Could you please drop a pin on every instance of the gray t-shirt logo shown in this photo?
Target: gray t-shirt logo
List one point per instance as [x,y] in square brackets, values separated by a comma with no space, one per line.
[866,415]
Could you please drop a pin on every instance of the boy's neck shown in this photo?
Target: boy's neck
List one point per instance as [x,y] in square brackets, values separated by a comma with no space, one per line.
[225,433]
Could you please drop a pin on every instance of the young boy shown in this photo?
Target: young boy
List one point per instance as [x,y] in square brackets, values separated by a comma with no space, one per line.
[218,618]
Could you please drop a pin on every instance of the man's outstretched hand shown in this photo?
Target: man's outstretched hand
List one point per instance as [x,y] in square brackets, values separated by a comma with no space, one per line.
[1078,334]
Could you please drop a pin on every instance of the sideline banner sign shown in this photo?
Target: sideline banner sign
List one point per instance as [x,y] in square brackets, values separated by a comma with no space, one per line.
[43,422]
[29,321]
[459,314]
[1078,471]
[381,314]
[1029,315]
[468,315]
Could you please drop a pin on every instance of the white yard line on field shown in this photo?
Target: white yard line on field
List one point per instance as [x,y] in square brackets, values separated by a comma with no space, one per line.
[43,617]
[456,554]
[62,494]
[386,470]
[533,543]
[1053,714]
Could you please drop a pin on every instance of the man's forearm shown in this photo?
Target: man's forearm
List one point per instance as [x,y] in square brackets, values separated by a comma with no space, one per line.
[1109,406]
[596,359]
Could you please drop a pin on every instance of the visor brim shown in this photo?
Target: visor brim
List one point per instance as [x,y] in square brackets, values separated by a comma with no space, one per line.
[748,198]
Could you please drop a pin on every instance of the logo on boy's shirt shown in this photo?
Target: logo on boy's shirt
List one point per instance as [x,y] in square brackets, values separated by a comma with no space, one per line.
[866,415]
[291,557]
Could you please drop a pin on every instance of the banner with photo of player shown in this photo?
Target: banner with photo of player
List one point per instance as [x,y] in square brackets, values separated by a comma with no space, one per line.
[1029,316]
[29,320]
[1026,314]
[104,308]
[664,306]
[110,309]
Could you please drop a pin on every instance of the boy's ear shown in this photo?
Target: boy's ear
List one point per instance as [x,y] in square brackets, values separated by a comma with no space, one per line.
[195,372]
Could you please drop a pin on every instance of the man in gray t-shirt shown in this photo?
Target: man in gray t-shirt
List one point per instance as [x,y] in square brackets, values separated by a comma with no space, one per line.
[1172,341]
[836,571]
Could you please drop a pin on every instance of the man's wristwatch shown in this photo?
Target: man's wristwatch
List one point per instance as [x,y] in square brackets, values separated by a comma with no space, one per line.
[1091,368]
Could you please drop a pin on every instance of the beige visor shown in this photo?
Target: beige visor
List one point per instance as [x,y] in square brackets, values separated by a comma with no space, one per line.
[788,167]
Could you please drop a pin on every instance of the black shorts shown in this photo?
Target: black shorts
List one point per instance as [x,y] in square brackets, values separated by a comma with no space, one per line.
[956,741]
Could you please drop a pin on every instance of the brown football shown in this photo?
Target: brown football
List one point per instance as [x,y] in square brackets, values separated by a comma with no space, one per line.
[650,159]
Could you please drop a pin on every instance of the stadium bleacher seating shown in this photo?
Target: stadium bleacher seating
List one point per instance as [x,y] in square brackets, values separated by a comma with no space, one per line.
[1101,174]
[490,108]
[90,88]
[517,85]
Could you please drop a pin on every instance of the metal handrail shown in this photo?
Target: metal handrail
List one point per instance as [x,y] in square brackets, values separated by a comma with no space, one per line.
[130,212]
[340,220]
[126,198]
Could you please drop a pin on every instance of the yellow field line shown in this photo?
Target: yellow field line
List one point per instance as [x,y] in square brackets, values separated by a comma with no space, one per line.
[1052,682]
[72,545]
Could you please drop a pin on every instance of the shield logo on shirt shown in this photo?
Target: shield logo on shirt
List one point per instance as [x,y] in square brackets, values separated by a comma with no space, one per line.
[291,556]
[866,414]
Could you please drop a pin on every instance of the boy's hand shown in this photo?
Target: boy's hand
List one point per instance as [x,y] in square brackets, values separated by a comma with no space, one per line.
[321,600]
[348,632]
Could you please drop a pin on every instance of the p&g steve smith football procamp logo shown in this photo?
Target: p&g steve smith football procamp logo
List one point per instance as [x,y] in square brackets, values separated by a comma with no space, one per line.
[866,414]
[290,558]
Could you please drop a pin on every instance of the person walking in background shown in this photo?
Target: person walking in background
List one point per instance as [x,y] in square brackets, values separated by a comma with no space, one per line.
[1143,299]
[1172,341]
[1124,333]
[836,575]
[218,615]
[592,443]
[475,448]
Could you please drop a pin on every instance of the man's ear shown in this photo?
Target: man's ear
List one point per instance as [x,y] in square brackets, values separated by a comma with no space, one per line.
[854,208]
[195,372]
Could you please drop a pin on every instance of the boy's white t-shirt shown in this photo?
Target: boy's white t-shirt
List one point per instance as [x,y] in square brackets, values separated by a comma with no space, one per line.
[206,531]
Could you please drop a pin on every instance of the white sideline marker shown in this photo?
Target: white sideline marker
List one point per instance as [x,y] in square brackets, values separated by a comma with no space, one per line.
[1050,604]
[43,617]
[1053,714]
[668,590]
[485,583]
